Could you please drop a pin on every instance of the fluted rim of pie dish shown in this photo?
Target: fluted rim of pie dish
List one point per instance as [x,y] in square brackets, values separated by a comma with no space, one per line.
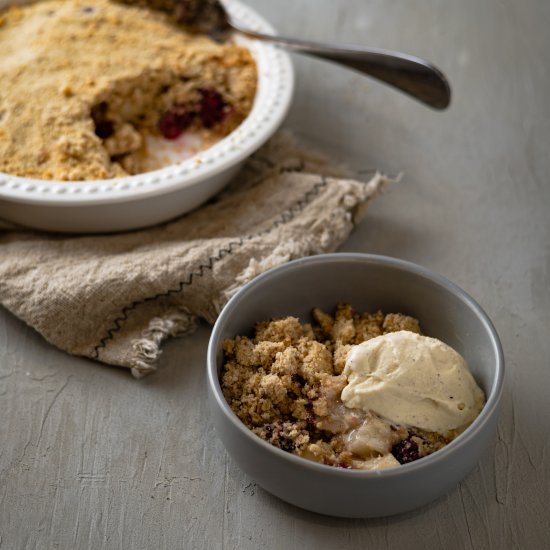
[271,104]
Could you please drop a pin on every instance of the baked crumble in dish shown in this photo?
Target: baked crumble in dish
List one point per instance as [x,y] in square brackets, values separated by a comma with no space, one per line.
[91,87]
[285,384]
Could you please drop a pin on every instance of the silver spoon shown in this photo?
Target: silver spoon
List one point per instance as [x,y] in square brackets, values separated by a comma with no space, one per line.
[412,75]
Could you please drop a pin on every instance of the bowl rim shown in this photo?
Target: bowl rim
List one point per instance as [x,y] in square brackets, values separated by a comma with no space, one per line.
[490,408]
[271,104]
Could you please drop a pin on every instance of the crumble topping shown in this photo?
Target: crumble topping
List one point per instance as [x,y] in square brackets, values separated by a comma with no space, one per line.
[285,385]
[86,83]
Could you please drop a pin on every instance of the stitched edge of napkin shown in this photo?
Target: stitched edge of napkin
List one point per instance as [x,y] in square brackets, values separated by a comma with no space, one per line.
[146,350]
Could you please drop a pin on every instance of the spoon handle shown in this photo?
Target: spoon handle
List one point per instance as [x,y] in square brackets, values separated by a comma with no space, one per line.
[410,74]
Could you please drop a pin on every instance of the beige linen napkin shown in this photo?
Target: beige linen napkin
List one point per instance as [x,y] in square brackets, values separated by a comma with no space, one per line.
[115,298]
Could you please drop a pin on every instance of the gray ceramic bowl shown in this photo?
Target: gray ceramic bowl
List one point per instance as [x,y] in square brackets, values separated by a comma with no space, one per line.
[368,283]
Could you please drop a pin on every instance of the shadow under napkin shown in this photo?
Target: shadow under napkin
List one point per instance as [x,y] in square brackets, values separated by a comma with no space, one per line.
[115,298]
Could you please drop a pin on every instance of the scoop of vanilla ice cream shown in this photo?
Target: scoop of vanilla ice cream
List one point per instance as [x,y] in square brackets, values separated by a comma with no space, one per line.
[412,380]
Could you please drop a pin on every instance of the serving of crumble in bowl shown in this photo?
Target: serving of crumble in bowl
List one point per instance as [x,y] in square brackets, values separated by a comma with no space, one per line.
[290,400]
[143,124]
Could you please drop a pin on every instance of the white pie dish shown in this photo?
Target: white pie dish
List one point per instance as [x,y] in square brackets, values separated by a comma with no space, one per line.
[132,202]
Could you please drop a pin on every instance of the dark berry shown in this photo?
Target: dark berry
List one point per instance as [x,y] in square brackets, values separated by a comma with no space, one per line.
[103,126]
[212,107]
[104,129]
[172,123]
[342,465]
[286,444]
[405,451]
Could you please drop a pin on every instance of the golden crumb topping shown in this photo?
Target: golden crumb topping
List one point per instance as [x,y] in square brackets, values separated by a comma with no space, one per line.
[85,81]
[285,384]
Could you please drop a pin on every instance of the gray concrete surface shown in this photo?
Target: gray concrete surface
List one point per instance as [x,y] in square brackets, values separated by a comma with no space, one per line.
[90,458]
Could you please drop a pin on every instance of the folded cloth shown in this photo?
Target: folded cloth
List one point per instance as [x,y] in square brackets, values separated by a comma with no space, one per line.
[115,298]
